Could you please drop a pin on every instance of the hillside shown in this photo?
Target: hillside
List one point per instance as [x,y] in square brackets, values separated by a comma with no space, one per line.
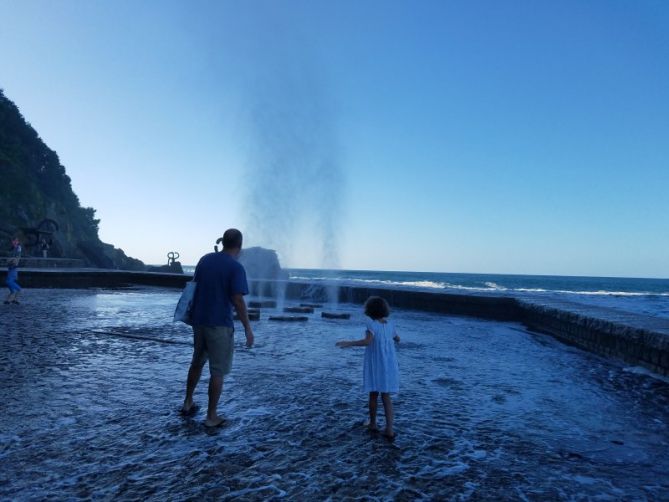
[37,200]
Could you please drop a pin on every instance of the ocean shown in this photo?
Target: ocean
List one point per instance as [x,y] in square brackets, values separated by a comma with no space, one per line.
[641,296]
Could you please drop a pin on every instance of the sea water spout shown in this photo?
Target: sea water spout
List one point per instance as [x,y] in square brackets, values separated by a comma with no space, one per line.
[294,178]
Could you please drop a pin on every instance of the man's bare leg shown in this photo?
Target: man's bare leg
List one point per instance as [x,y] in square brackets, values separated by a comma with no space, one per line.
[191,382]
[388,408]
[215,389]
[373,403]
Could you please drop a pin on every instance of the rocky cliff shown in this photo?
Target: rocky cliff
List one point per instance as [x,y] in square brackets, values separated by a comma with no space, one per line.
[37,202]
[261,263]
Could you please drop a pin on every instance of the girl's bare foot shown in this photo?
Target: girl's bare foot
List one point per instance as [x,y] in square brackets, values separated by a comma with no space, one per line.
[214,422]
[372,427]
[389,434]
[189,409]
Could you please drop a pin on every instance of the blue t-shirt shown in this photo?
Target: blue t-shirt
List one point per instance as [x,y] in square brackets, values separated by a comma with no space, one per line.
[218,276]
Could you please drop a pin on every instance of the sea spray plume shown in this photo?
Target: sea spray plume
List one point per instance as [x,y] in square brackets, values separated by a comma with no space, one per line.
[294,178]
[330,200]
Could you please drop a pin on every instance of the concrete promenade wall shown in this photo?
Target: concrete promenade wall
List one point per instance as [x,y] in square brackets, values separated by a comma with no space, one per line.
[638,340]
[96,278]
[37,262]
[488,307]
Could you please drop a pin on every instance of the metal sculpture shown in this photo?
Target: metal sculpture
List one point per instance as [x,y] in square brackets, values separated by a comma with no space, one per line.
[172,258]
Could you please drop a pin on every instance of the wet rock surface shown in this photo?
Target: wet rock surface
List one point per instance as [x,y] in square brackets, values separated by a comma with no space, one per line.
[336,315]
[299,310]
[93,380]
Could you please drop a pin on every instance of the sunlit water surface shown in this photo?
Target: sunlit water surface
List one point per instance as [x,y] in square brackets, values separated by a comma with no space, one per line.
[92,381]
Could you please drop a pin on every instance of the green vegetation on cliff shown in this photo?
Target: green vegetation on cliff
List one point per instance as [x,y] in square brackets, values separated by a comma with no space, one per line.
[34,187]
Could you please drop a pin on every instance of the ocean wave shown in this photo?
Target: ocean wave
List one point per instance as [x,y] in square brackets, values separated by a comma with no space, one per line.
[487,287]
[383,282]
[495,286]
[314,278]
[590,293]
[411,284]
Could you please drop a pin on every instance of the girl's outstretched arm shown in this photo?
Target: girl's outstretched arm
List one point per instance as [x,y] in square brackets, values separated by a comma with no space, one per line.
[356,343]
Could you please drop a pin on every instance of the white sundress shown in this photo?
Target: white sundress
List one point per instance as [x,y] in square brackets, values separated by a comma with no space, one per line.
[380,372]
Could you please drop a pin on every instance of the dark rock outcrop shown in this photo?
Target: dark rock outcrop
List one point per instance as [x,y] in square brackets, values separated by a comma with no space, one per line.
[261,263]
[101,255]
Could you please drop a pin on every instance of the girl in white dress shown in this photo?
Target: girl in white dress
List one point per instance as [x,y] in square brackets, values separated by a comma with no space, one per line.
[380,370]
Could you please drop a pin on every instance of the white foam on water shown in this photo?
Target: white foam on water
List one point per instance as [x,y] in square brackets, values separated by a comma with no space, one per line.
[585,480]
[488,286]
[493,285]
[457,468]
[478,454]
[256,412]
[409,284]
[640,370]
[600,292]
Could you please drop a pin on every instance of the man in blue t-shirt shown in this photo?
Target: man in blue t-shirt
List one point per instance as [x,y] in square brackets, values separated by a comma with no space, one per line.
[221,283]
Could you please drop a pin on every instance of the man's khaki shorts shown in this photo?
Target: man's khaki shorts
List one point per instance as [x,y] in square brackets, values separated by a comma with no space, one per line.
[216,343]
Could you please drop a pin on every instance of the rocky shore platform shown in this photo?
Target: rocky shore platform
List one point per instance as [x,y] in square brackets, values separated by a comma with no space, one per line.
[487,410]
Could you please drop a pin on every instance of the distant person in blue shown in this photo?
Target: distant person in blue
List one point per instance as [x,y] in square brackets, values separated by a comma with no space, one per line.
[13,272]
[380,372]
[221,283]
[12,281]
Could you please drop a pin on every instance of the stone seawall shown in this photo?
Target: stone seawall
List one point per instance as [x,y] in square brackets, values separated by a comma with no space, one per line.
[488,307]
[97,278]
[636,339]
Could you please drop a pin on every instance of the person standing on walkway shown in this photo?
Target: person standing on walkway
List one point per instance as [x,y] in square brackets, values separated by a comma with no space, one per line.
[380,369]
[220,283]
[44,246]
[12,281]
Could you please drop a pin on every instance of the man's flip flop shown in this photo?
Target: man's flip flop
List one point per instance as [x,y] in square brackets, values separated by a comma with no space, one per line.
[190,411]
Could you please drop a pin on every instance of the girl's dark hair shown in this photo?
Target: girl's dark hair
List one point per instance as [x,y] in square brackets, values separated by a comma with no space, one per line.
[376,307]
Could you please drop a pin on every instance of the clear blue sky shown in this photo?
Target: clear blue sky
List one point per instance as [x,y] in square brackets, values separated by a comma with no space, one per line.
[486,136]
